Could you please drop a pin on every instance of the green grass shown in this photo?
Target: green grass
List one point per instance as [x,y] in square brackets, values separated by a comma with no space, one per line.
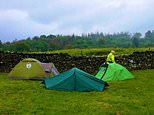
[130,97]
[98,51]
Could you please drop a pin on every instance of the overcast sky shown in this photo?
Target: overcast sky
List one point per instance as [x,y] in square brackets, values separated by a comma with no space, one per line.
[20,19]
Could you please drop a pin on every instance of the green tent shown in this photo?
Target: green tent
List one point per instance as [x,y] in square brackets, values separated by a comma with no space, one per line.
[74,80]
[113,72]
[30,68]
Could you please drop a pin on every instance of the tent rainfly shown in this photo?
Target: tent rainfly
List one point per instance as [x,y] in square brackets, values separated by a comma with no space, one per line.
[113,72]
[33,69]
[74,80]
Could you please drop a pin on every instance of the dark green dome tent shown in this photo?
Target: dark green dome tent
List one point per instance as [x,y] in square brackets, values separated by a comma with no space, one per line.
[75,80]
[113,72]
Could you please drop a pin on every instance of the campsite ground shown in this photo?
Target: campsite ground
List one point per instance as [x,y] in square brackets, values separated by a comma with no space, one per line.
[121,98]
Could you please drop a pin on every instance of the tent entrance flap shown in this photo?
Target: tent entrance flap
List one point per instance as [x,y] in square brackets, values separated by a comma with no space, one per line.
[102,71]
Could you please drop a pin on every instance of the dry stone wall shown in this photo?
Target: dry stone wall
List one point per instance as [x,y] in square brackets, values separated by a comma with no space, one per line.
[90,64]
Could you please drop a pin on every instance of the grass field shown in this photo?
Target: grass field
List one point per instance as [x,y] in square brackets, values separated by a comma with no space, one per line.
[130,97]
[98,51]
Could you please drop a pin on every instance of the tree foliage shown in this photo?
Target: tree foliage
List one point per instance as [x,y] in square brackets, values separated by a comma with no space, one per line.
[90,40]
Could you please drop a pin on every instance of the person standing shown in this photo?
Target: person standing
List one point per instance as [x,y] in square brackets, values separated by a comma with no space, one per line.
[110,57]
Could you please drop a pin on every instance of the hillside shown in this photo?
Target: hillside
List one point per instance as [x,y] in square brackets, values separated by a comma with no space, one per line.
[90,40]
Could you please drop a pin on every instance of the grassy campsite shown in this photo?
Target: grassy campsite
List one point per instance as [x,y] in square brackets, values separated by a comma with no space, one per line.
[121,98]
[80,57]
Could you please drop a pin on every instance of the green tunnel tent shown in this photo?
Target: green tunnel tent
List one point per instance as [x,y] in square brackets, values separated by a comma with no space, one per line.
[33,69]
[113,72]
[75,80]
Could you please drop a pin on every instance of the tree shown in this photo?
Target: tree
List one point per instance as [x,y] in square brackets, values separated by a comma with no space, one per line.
[101,42]
[21,46]
[42,36]
[149,38]
[137,35]
[51,36]
[28,38]
[136,38]
[152,36]
[148,35]
[35,38]
[69,46]
[1,44]
[136,42]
